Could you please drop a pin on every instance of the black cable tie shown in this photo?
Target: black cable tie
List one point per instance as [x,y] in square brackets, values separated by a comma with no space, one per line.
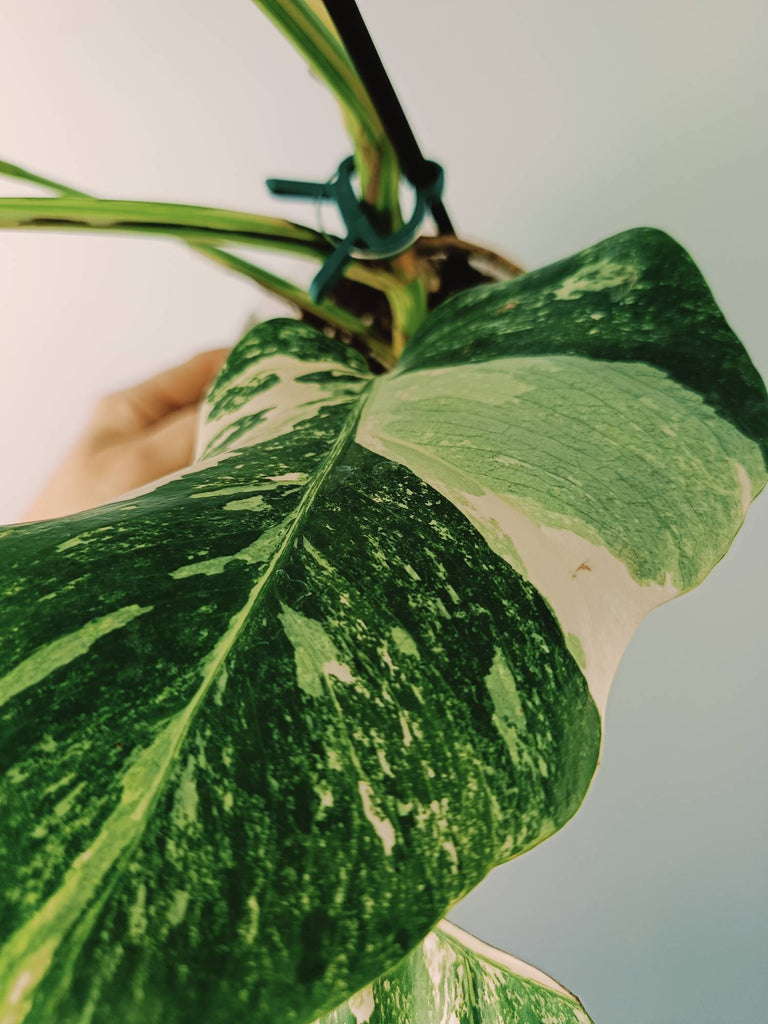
[362,52]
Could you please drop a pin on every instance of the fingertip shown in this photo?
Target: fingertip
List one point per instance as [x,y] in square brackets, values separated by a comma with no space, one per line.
[216,355]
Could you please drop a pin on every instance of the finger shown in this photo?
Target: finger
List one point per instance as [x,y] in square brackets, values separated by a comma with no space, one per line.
[168,445]
[137,461]
[174,388]
[135,408]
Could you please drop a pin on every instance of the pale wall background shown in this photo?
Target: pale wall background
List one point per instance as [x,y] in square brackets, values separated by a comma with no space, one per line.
[558,124]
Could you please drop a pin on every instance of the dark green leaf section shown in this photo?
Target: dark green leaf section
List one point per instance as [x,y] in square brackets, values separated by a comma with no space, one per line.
[635,297]
[452,976]
[261,726]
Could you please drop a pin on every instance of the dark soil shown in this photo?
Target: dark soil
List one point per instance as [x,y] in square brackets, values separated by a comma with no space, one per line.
[453,268]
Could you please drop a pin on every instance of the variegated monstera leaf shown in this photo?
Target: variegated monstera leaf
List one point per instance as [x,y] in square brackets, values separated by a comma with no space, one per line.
[264,723]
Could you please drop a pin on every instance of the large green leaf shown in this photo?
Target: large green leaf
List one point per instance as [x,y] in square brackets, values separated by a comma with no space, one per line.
[263,723]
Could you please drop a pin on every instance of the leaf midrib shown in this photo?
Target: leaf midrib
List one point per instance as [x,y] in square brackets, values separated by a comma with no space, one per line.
[299,518]
[283,550]
[80,930]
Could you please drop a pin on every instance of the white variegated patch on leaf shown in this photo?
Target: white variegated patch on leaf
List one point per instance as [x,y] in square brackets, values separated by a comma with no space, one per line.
[264,722]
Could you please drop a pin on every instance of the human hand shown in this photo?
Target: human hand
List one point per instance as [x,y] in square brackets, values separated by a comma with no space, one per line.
[134,437]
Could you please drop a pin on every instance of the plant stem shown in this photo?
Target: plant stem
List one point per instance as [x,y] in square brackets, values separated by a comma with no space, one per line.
[307,25]
[328,311]
[204,226]
[14,171]
[408,301]
[194,223]
[197,225]
[379,172]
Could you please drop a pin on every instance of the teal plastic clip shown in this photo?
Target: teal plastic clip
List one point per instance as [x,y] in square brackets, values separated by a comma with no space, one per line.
[361,234]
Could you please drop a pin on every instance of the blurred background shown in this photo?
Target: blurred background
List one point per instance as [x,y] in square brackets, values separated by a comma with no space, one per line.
[558,124]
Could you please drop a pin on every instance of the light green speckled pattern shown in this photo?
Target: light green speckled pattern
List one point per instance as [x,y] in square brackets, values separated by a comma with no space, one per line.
[617,452]
[619,405]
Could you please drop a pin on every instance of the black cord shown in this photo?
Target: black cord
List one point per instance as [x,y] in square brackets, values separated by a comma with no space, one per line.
[355,36]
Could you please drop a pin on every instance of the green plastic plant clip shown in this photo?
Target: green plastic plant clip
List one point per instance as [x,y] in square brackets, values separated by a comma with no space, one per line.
[361,234]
